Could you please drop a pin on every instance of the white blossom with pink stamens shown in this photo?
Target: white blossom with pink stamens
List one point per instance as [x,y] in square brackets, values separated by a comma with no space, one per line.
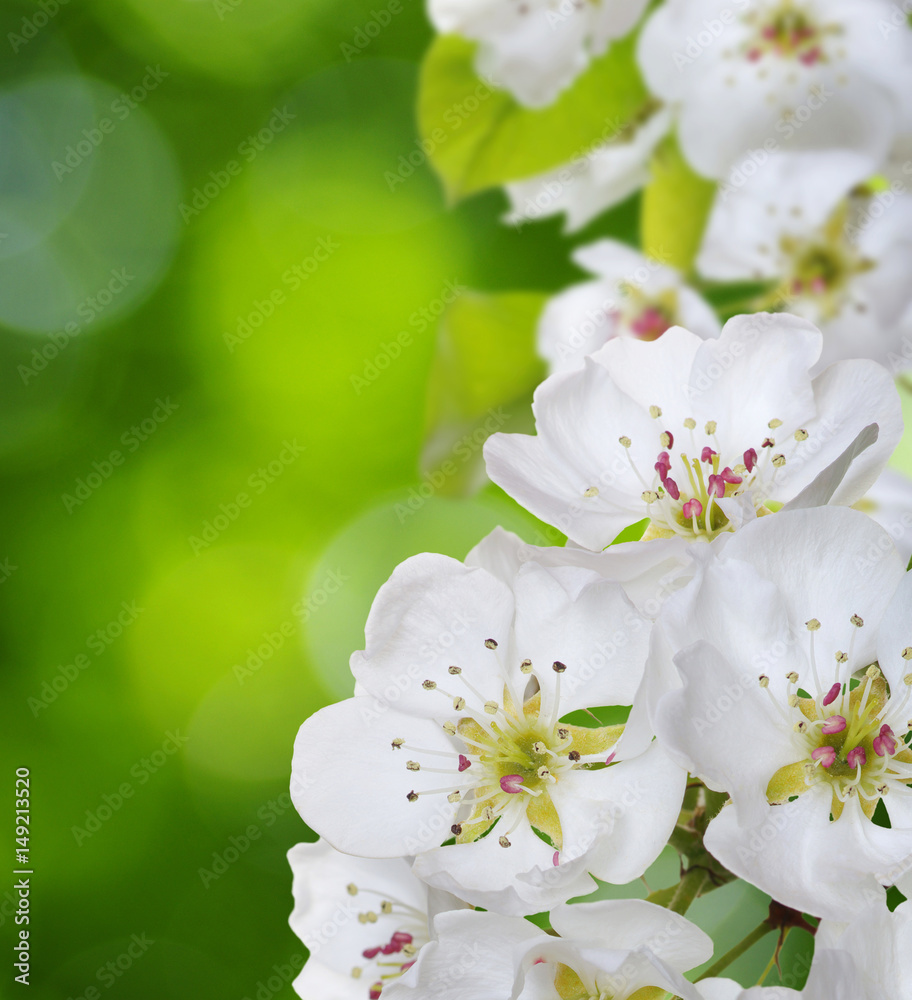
[782,674]
[699,436]
[458,750]
[779,75]
[631,295]
[536,48]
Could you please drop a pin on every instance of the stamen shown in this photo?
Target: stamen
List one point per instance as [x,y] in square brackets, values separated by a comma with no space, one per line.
[512,783]
[857,758]
[558,668]
[834,724]
[832,694]
[693,509]
[885,744]
[825,756]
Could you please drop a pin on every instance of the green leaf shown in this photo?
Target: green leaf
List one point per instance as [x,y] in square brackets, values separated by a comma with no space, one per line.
[632,533]
[478,137]
[676,206]
[481,381]
[485,354]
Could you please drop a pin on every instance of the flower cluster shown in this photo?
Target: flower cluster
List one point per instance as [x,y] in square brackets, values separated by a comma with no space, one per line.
[798,114]
[719,659]
[526,720]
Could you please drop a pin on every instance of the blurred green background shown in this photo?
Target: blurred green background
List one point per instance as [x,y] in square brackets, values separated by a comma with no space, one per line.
[227,401]
[256,145]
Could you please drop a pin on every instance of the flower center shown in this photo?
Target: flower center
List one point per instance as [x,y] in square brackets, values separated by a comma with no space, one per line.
[647,317]
[790,33]
[572,985]
[682,491]
[380,964]
[821,269]
[850,734]
[508,754]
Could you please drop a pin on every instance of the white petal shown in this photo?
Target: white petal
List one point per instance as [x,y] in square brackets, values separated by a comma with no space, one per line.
[515,880]
[802,859]
[849,395]
[472,958]
[821,490]
[895,635]
[722,726]
[571,616]
[617,820]
[817,579]
[634,923]
[351,786]
[655,373]
[432,613]
[757,371]
[549,474]
[318,982]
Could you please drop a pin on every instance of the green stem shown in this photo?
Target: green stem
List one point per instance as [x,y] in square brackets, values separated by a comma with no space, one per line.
[685,841]
[688,889]
[726,960]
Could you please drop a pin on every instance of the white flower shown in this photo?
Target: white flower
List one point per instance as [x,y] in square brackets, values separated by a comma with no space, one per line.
[794,645]
[842,262]
[467,683]
[536,48]
[363,921]
[602,177]
[779,74]
[631,295]
[697,435]
[880,944]
[610,949]
[833,976]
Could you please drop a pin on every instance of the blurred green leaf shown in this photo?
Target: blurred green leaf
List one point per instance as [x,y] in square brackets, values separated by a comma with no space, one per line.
[481,381]
[478,137]
[676,205]
[485,354]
